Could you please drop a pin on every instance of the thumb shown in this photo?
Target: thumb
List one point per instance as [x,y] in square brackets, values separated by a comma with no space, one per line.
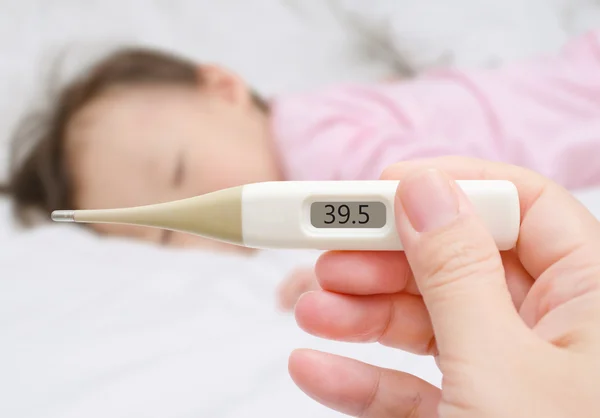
[456,264]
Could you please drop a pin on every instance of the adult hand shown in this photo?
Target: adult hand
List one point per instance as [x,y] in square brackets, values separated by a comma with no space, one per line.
[515,334]
[300,281]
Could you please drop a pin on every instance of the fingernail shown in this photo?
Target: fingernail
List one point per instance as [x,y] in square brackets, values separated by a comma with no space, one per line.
[429,200]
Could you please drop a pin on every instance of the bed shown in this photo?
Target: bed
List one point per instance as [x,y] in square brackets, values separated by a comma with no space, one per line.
[111,328]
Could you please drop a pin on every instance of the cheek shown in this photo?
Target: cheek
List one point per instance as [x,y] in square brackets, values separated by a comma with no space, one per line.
[182,240]
[127,231]
[215,169]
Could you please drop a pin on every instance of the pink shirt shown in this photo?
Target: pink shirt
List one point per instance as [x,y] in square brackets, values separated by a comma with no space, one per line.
[543,114]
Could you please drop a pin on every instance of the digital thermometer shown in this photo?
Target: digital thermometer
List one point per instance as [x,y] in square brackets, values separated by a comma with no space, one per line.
[321,215]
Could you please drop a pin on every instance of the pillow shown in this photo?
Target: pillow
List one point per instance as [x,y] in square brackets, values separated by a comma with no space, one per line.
[418,35]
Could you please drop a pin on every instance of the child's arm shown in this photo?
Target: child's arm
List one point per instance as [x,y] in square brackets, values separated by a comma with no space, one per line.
[543,114]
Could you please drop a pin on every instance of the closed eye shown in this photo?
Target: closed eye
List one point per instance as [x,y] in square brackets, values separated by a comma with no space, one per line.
[179,172]
[166,237]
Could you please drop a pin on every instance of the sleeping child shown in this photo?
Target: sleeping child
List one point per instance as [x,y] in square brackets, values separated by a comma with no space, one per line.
[143,126]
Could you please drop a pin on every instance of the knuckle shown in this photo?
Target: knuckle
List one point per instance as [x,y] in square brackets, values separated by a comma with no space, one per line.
[377,405]
[559,286]
[414,406]
[431,348]
[450,258]
[371,401]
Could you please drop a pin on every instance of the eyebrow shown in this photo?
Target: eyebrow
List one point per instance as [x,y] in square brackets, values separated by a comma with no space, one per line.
[179,173]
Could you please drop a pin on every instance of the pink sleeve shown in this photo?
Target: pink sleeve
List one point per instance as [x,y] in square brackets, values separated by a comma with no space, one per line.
[543,114]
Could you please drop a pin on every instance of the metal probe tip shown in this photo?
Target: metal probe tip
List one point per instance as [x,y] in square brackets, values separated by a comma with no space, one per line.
[63,216]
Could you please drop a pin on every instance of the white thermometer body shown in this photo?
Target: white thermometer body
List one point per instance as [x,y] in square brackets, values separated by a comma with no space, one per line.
[321,215]
[356,215]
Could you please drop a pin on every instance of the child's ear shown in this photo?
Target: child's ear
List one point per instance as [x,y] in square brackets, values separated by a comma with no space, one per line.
[224,84]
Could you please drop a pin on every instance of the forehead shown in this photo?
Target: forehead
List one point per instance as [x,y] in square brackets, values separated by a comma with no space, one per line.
[121,148]
[123,141]
[130,117]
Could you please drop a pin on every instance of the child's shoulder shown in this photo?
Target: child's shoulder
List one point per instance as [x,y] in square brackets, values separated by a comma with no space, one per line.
[336,91]
[348,98]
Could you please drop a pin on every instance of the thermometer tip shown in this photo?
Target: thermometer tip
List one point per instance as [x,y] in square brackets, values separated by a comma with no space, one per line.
[63,216]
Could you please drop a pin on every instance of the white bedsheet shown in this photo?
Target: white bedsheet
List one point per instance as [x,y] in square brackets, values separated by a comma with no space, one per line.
[119,329]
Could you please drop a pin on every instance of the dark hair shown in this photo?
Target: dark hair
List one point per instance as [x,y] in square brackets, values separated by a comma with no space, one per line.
[38,176]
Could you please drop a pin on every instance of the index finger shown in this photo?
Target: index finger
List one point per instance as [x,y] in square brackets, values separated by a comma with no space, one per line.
[550,216]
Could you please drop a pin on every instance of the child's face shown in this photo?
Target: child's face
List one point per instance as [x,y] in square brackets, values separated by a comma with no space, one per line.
[145,145]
